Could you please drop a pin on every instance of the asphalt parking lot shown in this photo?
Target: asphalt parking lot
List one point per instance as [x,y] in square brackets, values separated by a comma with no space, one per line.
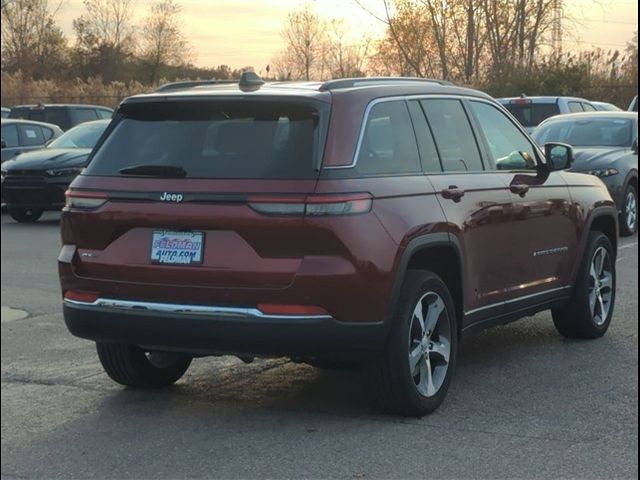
[524,403]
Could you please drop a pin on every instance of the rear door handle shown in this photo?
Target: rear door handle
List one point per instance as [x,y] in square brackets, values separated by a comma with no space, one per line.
[519,189]
[453,193]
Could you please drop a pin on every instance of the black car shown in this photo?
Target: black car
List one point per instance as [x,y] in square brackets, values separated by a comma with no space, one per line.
[36,181]
[605,145]
[63,115]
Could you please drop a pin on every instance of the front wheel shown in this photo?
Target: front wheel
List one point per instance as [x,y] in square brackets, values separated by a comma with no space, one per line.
[588,313]
[134,367]
[629,216]
[413,375]
[25,215]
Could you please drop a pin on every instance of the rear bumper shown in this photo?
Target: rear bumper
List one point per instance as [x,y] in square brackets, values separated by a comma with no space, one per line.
[201,330]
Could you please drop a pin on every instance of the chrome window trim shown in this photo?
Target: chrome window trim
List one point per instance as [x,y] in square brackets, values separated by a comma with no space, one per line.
[518,299]
[396,98]
[204,310]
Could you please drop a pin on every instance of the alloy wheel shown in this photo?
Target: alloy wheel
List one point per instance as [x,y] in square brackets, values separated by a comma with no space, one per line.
[631,211]
[429,344]
[600,286]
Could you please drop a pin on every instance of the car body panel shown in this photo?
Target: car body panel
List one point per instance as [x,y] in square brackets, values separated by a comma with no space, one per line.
[351,266]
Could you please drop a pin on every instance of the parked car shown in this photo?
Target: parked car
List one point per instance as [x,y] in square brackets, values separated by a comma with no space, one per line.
[5,112]
[36,181]
[20,136]
[338,223]
[606,107]
[633,106]
[63,115]
[605,145]
[531,111]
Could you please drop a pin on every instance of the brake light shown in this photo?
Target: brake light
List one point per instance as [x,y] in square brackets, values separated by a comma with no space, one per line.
[84,200]
[306,310]
[81,296]
[313,205]
[521,101]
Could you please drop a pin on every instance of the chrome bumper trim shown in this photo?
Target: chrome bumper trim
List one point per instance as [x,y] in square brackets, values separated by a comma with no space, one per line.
[203,310]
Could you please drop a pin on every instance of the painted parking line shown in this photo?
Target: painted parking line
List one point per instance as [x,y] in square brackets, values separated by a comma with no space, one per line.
[628,245]
[12,314]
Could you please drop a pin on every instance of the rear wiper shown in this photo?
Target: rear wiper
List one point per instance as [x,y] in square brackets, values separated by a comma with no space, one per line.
[155,171]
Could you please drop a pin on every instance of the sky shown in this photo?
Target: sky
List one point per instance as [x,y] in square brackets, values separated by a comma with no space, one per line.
[243,33]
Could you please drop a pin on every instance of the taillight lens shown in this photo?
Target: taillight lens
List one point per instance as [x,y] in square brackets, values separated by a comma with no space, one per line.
[81,296]
[84,199]
[313,205]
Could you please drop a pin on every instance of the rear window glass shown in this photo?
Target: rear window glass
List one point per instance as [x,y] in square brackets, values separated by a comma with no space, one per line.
[217,139]
[532,114]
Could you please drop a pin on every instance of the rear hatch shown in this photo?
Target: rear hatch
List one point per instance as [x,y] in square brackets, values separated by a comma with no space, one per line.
[530,114]
[206,193]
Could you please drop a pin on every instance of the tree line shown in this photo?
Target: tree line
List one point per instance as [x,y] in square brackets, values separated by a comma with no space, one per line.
[107,44]
[502,46]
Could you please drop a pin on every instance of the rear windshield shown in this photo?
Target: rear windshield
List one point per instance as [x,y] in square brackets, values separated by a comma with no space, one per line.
[532,114]
[215,139]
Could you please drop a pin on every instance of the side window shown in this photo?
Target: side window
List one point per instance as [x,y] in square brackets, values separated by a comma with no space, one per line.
[426,144]
[47,133]
[10,135]
[85,115]
[575,107]
[588,107]
[58,116]
[453,135]
[510,149]
[30,135]
[104,113]
[388,144]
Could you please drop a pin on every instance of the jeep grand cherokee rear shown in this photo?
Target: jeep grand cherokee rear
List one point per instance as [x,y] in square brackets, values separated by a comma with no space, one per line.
[356,221]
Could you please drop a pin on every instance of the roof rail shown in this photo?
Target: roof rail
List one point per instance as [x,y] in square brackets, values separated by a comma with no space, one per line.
[190,84]
[367,81]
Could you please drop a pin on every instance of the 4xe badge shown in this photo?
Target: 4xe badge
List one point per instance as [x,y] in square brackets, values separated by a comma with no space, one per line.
[171,197]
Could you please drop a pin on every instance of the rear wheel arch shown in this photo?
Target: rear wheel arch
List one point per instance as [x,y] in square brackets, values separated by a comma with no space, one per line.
[441,254]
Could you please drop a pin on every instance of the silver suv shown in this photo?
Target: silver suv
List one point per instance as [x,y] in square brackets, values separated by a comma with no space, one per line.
[531,111]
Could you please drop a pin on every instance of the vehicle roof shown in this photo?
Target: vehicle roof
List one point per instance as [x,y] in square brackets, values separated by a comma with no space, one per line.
[543,99]
[579,115]
[311,90]
[9,121]
[49,105]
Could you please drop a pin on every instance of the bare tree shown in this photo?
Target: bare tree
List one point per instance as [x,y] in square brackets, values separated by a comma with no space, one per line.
[345,57]
[163,41]
[31,40]
[104,35]
[304,36]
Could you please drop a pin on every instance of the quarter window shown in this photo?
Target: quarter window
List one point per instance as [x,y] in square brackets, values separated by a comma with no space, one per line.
[388,144]
[509,147]
[575,107]
[453,135]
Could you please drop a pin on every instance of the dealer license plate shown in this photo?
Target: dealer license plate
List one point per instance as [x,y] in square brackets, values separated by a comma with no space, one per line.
[177,248]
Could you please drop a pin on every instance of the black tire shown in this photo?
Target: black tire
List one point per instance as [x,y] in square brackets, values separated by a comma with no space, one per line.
[577,319]
[25,215]
[129,365]
[392,382]
[628,227]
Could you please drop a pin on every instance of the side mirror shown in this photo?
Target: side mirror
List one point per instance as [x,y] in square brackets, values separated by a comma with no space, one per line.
[559,156]
[3,144]
[47,143]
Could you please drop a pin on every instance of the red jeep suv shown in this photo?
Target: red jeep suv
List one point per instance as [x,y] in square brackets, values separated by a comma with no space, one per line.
[361,221]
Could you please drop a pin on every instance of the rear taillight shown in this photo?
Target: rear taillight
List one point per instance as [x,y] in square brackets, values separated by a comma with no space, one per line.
[313,205]
[84,199]
[81,296]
